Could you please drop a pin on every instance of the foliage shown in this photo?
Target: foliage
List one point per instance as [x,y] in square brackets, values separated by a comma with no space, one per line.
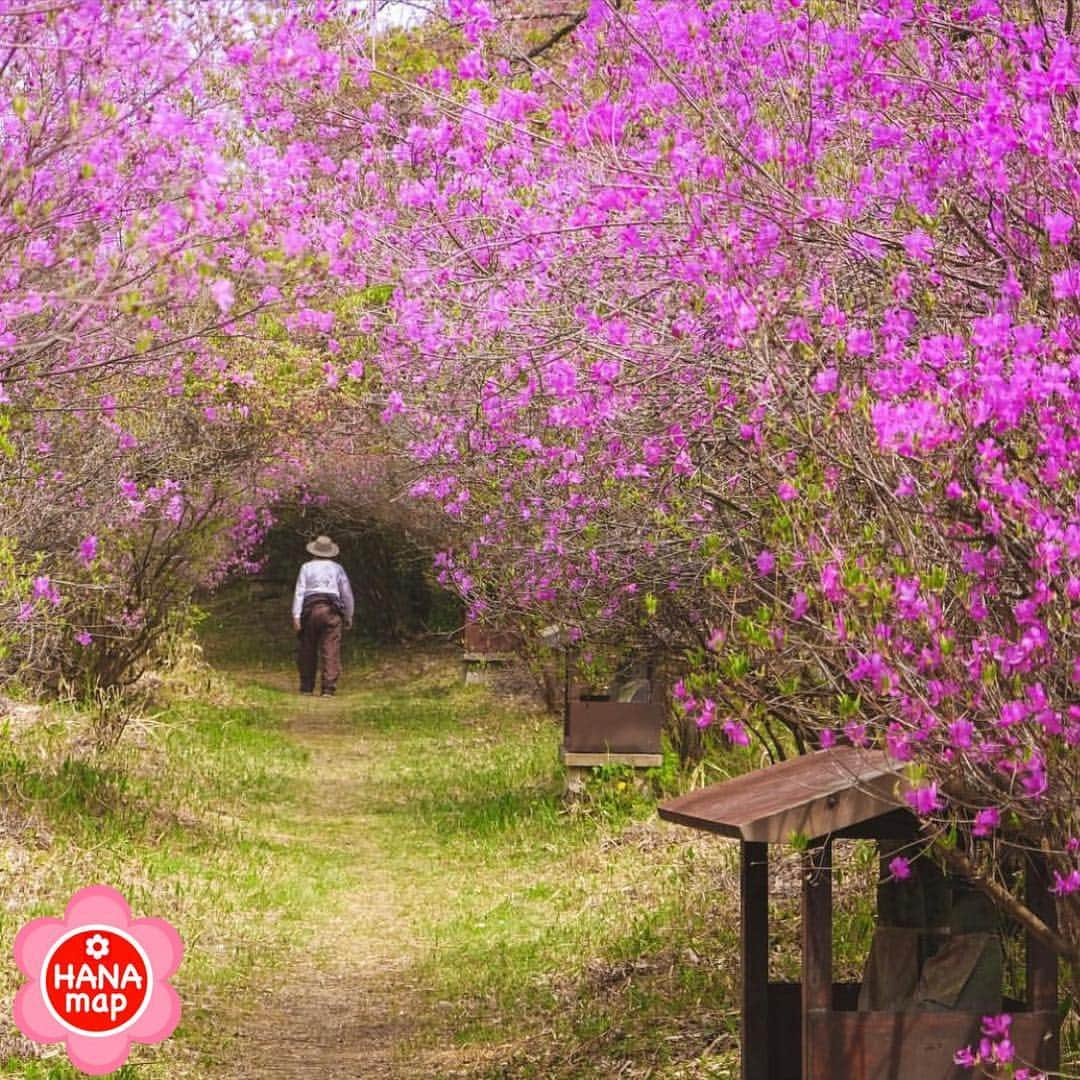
[141,436]
[748,331]
[756,335]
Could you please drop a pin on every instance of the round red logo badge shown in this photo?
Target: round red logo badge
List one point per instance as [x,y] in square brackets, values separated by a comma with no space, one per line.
[96,980]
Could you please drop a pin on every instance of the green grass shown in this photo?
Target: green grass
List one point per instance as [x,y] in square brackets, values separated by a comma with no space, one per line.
[559,921]
[526,913]
[542,938]
[181,817]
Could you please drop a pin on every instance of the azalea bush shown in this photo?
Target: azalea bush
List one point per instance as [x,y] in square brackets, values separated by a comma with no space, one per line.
[752,330]
[744,332]
[106,547]
[156,349]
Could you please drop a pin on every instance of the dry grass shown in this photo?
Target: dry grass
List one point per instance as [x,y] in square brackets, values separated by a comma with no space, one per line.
[389,884]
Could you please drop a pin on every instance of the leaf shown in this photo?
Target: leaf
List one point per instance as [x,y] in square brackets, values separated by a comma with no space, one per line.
[715,578]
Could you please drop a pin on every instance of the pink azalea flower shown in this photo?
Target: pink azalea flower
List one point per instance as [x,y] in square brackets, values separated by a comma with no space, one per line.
[1058,227]
[1066,884]
[736,733]
[986,821]
[830,583]
[900,868]
[683,465]
[174,509]
[1067,283]
[44,589]
[860,342]
[826,382]
[223,295]
[88,550]
[961,733]
[965,1058]
[925,800]
[918,245]
[706,713]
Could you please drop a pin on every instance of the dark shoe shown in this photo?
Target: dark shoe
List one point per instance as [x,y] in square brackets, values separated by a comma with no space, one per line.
[307,693]
[327,692]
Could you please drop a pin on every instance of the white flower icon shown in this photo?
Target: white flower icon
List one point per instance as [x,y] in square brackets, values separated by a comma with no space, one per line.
[97,947]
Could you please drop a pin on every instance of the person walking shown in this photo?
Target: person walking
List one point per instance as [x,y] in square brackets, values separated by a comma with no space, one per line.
[322,604]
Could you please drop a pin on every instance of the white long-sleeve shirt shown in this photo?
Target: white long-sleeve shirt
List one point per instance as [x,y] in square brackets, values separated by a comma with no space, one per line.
[323,576]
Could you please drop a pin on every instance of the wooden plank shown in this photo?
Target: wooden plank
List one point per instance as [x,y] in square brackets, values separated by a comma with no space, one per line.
[639,761]
[1042,973]
[488,640]
[811,796]
[754,930]
[827,815]
[817,990]
[920,1045]
[618,727]
[692,821]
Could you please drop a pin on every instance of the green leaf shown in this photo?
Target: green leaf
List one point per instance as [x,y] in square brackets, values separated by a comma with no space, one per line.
[715,578]
[848,705]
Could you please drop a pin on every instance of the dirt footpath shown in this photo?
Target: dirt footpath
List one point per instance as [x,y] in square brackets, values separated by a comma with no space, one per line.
[341,1006]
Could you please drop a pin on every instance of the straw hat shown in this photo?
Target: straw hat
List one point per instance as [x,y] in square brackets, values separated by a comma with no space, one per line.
[322,547]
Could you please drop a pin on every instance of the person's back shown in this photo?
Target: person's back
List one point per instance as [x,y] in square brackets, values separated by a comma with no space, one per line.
[322,601]
[321,576]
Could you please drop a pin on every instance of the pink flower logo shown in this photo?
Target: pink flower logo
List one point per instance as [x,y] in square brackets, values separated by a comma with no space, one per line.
[98,980]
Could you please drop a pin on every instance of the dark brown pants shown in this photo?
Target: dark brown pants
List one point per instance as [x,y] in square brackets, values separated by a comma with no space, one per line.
[320,645]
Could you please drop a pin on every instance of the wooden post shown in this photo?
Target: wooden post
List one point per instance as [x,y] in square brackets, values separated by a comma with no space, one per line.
[754,930]
[568,669]
[1041,959]
[817,962]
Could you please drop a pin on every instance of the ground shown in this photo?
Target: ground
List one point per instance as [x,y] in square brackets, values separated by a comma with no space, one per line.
[365,994]
[386,884]
[390,883]
[341,1004]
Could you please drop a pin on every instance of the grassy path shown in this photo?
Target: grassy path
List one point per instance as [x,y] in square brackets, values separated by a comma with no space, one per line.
[469,919]
[385,885]
[339,1004]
